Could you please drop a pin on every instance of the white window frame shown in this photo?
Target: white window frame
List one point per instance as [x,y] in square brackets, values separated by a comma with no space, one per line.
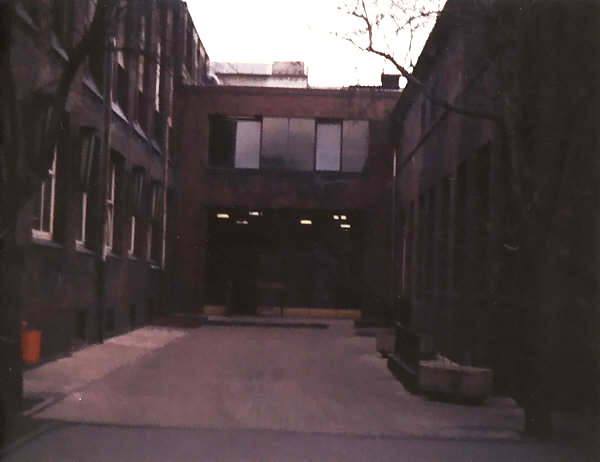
[39,233]
[131,250]
[110,208]
[157,88]
[82,241]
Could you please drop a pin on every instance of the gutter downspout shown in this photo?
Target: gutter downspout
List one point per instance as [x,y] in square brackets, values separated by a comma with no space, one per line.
[393,229]
[104,179]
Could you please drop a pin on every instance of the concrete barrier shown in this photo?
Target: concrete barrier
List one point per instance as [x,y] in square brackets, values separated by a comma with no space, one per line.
[449,379]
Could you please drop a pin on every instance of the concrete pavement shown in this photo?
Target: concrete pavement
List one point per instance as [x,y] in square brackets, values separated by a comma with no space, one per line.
[63,376]
[299,394]
[300,380]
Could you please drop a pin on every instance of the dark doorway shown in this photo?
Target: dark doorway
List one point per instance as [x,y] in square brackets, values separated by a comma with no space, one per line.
[275,258]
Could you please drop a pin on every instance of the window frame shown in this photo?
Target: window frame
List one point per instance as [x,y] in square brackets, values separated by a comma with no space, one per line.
[223,144]
[40,233]
[109,234]
[82,243]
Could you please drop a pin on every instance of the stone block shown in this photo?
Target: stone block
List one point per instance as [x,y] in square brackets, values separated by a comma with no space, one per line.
[437,378]
[475,383]
[449,379]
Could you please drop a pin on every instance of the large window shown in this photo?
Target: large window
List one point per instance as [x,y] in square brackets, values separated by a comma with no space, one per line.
[82,209]
[135,188]
[43,212]
[141,67]
[247,144]
[234,143]
[329,146]
[110,206]
[295,144]
[62,22]
[121,79]
[288,143]
[355,145]
[87,192]
[153,231]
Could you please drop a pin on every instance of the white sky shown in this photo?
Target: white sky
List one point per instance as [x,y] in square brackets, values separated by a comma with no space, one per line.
[263,31]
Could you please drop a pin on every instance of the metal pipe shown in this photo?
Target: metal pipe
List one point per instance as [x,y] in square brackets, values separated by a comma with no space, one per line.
[104,179]
[393,230]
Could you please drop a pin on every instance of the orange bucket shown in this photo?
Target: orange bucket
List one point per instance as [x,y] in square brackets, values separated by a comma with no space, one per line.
[31,340]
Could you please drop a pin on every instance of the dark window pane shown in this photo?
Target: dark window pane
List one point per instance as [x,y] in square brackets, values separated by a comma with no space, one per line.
[301,144]
[221,141]
[37,207]
[274,142]
[79,216]
[47,206]
[355,145]
[123,89]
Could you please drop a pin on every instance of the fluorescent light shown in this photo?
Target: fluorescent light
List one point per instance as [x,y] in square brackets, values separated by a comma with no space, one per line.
[241,222]
[345,226]
[343,217]
[255,213]
[305,222]
[336,217]
[223,216]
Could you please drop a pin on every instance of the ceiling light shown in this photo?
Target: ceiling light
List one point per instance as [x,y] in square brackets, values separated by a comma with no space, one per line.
[336,217]
[343,217]
[345,226]
[305,222]
[255,213]
[241,222]
[223,216]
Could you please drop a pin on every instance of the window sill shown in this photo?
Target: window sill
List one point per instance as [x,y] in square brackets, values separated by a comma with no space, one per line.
[156,147]
[45,242]
[24,15]
[139,130]
[91,85]
[58,48]
[119,112]
[81,248]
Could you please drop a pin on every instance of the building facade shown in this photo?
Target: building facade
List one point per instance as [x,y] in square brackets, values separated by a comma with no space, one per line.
[283,197]
[69,291]
[498,267]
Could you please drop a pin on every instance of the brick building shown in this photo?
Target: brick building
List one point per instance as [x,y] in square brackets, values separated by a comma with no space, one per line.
[461,244]
[65,291]
[283,197]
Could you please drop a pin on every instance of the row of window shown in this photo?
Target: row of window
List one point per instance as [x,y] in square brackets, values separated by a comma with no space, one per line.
[138,199]
[299,144]
[431,238]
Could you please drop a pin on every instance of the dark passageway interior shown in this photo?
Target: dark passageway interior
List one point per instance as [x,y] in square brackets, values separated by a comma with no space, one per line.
[283,257]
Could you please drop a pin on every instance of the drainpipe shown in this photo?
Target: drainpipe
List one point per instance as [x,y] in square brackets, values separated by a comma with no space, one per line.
[166,154]
[104,179]
[393,229]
